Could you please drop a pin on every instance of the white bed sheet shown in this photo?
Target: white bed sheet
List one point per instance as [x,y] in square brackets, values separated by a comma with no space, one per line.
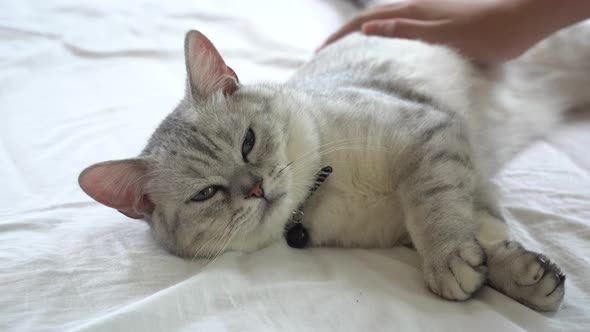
[84,82]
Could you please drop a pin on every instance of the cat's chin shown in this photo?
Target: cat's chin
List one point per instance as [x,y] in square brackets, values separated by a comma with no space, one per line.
[269,229]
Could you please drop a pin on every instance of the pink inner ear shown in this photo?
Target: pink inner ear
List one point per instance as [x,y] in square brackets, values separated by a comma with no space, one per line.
[230,87]
[120,185]
[207,71]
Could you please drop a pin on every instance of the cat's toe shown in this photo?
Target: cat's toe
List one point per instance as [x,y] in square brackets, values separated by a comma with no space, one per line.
[528,277]
[457,275]
[527,269]
[548,292]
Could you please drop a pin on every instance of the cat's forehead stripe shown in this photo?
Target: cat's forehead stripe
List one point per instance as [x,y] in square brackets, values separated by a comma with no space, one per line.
[211,142]
[197,172]
[199,145]
[226,137]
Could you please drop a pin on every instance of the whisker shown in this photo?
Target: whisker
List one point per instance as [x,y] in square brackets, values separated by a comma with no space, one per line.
[282,169]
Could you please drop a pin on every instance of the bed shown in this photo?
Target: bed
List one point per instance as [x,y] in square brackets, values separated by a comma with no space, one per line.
[83,82]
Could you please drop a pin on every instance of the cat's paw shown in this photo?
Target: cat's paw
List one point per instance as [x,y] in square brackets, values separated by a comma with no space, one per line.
[526,276]
[457,274]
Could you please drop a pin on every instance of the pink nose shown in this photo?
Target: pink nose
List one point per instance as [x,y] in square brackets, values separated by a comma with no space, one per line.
[257,190]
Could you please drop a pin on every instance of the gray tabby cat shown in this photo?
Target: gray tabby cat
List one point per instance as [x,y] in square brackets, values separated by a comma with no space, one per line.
[414,133]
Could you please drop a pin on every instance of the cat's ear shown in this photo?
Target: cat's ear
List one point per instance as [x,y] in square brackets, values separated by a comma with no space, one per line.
[207,72]
[119,184]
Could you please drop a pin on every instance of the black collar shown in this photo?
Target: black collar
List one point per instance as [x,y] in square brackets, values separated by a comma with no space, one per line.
[295,233]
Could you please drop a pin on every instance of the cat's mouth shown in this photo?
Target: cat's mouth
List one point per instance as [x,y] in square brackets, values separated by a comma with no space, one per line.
[269,205]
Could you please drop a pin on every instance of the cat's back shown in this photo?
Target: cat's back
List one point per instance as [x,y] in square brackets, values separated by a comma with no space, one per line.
[386,67]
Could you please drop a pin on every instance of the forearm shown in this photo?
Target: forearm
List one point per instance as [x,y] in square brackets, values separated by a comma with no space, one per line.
[486,31]
[548,16]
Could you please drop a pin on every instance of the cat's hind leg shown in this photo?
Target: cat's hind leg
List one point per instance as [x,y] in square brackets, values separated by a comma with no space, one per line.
[526,276]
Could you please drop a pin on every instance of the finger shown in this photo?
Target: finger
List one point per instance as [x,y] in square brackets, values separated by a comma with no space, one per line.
[377,13]
[430,31]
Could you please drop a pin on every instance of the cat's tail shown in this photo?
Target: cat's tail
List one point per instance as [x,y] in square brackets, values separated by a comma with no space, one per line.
[527,97]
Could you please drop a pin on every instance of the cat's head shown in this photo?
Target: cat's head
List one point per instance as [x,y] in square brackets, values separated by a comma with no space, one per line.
[222,172]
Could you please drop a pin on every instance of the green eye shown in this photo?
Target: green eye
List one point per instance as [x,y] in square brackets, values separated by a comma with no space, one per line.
[248,144]
[205,194]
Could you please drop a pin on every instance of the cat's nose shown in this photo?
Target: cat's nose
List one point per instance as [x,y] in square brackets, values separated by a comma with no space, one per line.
[256,191]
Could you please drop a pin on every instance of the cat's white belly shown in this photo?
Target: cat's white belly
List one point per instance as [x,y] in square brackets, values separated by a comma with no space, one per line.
[357,206]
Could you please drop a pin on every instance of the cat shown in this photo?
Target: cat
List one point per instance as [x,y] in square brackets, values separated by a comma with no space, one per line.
[413,132]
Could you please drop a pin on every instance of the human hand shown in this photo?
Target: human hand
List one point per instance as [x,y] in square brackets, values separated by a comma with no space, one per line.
[486,31]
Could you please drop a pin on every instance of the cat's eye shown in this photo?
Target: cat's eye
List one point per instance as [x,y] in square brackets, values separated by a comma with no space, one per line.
[205,194]
[248,144]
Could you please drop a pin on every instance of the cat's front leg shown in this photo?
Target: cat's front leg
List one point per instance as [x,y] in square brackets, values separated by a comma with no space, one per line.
[437,191]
